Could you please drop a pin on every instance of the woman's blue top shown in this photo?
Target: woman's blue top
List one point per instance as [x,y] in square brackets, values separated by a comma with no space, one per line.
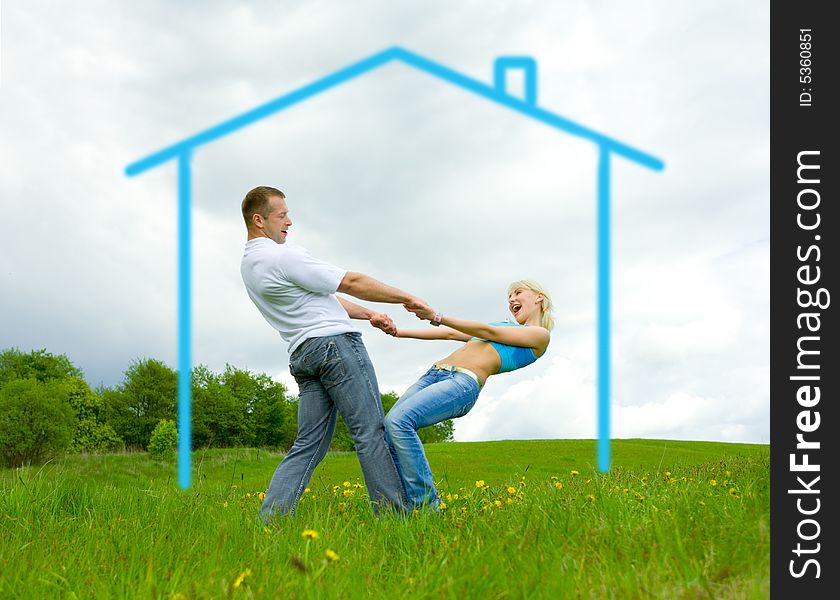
[513,357]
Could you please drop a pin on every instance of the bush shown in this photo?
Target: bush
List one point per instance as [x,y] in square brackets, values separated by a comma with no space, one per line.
[148,393]
[36,421]
[219,415]
[92,434]
[164,440]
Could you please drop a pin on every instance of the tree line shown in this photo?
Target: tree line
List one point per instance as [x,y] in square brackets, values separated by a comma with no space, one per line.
[47,408]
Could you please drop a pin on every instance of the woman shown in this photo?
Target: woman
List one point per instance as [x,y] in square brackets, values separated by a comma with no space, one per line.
[450,388]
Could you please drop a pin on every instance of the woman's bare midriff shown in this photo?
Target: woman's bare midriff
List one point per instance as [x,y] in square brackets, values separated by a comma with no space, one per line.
[477,356]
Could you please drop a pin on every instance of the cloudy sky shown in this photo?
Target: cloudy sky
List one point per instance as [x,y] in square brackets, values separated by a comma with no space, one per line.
[411,180]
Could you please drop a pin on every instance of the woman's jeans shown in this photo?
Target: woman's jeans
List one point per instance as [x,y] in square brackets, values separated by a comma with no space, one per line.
[334,375]
[437,396]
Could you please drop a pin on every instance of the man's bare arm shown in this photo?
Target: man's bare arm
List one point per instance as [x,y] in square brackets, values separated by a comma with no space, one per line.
[366,287]
[378,320]
[354,311]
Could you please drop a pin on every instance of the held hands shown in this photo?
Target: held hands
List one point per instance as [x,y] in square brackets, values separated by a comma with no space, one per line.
[420,308]
[383,322]
[415,305]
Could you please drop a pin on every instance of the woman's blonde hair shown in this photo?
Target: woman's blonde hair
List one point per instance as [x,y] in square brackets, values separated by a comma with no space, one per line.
[547,306]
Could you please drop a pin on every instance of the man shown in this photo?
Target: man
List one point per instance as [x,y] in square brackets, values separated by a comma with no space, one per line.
[296,293]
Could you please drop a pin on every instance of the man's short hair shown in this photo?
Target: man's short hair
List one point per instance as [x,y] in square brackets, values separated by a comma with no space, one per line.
[256,202]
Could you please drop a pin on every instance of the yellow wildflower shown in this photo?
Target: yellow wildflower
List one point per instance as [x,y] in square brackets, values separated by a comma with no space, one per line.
[455,497]
[479,483]
[508,501]
[449,497]
[498,503]
[226,504]
[590,497]
[511,490]
[667,473]
[442,506]
[358,486]
[348,493]
[332,555]
[558,485]
[310,534]
[713,482]
[241,578]
[574,473]
[307,491]
[346,484]
[733,492]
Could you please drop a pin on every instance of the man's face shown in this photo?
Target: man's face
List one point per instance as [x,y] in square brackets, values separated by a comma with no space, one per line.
[276,224]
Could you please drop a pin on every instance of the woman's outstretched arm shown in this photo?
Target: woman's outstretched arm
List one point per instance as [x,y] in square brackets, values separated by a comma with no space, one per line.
[432,333]
[527,337]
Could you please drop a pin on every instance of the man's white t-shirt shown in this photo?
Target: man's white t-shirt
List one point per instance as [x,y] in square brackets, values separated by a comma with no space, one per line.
[294,291]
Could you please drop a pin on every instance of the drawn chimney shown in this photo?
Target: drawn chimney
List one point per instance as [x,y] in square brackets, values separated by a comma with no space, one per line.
[528,66]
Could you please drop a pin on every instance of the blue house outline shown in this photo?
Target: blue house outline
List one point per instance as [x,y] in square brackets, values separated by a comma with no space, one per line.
[607,146]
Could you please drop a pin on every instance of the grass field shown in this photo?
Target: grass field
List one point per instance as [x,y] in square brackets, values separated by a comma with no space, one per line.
[522,519]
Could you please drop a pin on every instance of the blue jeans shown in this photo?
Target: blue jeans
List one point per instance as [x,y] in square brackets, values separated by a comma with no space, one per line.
[334,375]
[437,396]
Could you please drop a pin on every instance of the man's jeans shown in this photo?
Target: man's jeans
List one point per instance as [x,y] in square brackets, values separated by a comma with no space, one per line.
[334,375]
[437,396]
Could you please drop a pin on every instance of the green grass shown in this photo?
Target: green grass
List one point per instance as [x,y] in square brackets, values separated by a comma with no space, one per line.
[670,520]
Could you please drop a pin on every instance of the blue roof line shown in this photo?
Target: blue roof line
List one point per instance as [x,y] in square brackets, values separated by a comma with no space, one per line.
[373,62]
[519,105]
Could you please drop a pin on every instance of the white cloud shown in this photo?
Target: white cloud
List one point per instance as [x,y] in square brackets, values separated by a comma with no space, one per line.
[560,403]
